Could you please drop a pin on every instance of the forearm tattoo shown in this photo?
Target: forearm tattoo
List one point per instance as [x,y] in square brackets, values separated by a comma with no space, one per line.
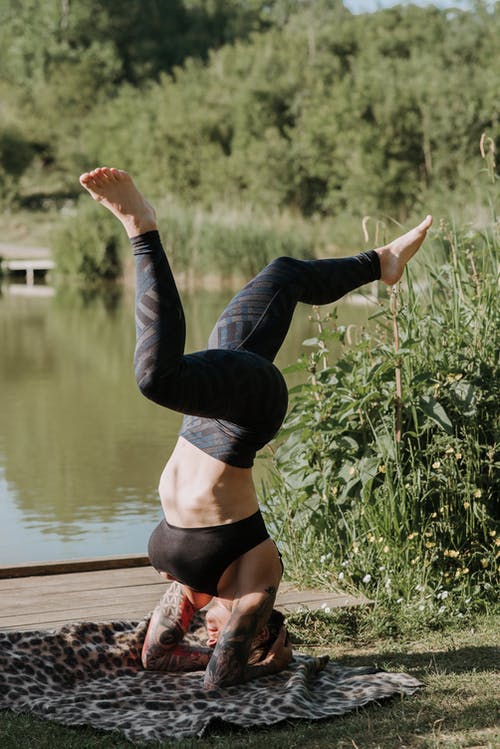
[228,664]
[163,649]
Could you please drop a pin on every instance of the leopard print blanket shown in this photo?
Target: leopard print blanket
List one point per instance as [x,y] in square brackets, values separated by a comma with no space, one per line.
[91,674]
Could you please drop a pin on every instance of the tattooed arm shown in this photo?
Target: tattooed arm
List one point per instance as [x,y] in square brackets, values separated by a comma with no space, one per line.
[229,662]
[163,648]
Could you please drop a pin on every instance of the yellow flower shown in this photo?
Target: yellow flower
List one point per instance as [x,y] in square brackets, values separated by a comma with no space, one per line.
[458,456]
[458,377]
[352,471]
[436,464]
[497,542]
[466,505]
[449,451]
[451,553]
[492,533]
[380,539]
[371,538]
[355,548]
[465,570]
[430,545]
[457,573]
[412,536]
[428,534]
[381,469]
[434,515]
[478,493]
[385,549]
[485,563]
[441,510]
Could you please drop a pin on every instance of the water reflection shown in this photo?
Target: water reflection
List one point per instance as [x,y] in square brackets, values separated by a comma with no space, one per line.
[81,450]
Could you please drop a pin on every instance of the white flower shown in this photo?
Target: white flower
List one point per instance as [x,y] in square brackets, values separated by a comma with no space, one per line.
[341,576]
[421,607]
[400,600]
[441,609]
[388,582]
[419,588]
[442,595]
[367,578]
[382,568]
[345,563]
[327,609]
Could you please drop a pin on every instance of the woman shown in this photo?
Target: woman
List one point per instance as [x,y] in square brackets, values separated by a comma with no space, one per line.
[212,541]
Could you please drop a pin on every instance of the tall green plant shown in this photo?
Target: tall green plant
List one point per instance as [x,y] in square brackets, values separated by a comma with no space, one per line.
[400,498]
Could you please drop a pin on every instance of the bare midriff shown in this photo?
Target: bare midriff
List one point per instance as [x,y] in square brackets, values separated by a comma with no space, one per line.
[197,490]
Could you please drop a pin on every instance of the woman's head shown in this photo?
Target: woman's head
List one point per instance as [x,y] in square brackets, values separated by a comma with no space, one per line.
[265,639]
[218,615]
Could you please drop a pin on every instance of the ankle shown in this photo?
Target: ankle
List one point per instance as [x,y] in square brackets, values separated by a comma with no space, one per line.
[135,225]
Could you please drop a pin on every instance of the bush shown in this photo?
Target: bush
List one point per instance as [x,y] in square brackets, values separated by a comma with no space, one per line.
[16,154]
[229,243]
[88,244]
[397,493]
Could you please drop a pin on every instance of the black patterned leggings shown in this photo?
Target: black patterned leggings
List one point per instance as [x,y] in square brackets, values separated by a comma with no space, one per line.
[233,396]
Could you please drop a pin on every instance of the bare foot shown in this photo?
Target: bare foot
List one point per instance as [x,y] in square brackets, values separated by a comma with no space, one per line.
[395,255]
[116,190]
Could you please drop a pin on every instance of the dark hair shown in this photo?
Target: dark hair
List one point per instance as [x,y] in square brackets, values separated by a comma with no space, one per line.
[260,649]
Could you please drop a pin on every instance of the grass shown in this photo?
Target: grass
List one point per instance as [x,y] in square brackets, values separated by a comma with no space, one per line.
[458,707]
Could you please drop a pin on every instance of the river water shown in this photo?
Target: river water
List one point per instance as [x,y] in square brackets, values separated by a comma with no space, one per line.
[81,451]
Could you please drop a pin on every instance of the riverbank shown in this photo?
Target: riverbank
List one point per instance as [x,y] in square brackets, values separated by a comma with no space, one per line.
[457,708]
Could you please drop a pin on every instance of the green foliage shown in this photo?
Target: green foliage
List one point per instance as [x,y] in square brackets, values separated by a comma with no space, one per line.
[88,245]
[412,521]
[227,244]
[284,104]
[16,154]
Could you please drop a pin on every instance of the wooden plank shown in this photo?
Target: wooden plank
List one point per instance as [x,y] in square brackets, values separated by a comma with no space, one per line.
[39,264]
[48,601]
[63,599]
[74,565]
[93,580]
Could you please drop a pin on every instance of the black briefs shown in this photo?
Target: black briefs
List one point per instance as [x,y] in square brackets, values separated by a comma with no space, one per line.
[233,397]
[198,557]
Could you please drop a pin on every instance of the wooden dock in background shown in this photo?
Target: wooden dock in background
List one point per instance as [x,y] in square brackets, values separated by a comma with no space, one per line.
[46,595]
[26,260]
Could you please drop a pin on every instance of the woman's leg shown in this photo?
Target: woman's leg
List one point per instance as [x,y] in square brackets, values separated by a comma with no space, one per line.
[258,318]
[211,383]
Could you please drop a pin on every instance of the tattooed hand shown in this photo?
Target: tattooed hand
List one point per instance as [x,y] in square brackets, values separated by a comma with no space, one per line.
[163,649]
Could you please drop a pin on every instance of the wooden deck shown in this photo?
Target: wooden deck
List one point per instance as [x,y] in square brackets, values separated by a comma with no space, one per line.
[45,596]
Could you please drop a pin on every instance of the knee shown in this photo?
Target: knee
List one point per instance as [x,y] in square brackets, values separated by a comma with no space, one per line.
[285,266]
[284,261]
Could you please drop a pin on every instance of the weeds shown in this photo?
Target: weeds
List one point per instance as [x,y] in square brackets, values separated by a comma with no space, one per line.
[387,466]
